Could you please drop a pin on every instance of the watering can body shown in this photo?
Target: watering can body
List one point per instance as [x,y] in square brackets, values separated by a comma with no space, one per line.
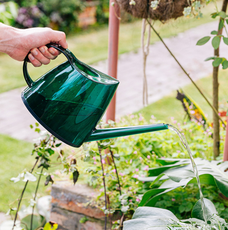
[70,100]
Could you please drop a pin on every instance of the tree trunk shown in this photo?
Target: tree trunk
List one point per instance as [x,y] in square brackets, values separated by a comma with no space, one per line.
[216,125]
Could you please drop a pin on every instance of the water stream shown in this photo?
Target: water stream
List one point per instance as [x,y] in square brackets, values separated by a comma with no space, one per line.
[184,142]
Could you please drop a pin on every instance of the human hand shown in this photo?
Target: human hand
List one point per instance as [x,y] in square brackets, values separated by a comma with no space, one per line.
[17,43]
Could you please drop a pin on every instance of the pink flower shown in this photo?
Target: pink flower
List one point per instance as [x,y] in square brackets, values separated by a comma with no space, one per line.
[132,116]
[95,162]
[146,168]
[130,188]
[103,161]
[130,161]
[136,176]
[57,172]
[137,199]
[114,170]
[136,170]
[148,157]
[130,201]
[94,158]
[140,119]
[121,174]
[135,152]
[140,158]
[173,199]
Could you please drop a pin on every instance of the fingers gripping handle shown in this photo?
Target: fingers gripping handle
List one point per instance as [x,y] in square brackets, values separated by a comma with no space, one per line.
[28,79]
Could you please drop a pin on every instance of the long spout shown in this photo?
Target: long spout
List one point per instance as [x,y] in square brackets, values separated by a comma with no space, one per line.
[101,134]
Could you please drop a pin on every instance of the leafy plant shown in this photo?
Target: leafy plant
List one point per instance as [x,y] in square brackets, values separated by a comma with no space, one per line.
[177,173]
[157,218]
[64,14]
[43,150]
[8,12]
[216,38]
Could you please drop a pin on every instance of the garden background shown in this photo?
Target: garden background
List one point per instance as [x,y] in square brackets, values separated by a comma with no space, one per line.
[89,43]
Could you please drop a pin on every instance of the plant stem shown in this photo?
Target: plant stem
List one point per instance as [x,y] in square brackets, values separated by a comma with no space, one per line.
[215,111]
[22,194]
[117,175]
[37,186]
[103,177]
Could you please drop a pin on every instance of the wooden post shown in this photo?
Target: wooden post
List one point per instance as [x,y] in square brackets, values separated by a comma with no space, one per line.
[216,123]
[114,12]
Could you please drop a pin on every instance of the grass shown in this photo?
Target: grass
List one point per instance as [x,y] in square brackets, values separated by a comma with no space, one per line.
[92,46]
[15,156]
[169,106]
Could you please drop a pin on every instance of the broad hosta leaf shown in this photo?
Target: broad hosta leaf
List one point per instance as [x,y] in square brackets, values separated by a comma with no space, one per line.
[216,42]
[210,209]
[203,41]
[179,175]
[150,218]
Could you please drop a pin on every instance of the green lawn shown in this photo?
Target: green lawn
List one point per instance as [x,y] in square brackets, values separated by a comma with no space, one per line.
[92,46]
[15,156]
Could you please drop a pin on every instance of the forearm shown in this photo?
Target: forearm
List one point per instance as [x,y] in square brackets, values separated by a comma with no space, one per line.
[8,35]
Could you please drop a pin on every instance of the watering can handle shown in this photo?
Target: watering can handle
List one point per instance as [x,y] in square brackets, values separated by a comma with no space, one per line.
[28,79]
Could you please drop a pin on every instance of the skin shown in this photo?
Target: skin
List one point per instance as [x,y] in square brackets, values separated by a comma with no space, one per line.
[17,43]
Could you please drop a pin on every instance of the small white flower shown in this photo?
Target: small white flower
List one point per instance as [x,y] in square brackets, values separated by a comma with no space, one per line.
[124,208]
[18,178]
[187,11]
[154,4]
[28,176]
[32,202]
[132,2]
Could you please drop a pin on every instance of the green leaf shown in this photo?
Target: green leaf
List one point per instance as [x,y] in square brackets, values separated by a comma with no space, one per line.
[181,208]
[150,218]
[221,24]
[217,62]
[225,40]
[214,15]
[225,64]
[222,14]
[48,179]
[38,221]
[203,41]
[209,209]
[214,32]
[226,21]
[75,176]
[50,151]
[210,173]
[210,58]
[216,42]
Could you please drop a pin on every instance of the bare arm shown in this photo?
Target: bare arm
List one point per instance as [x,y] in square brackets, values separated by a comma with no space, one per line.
[17,43]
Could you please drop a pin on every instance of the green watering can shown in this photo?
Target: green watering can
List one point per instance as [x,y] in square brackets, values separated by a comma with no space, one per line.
[70,99]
